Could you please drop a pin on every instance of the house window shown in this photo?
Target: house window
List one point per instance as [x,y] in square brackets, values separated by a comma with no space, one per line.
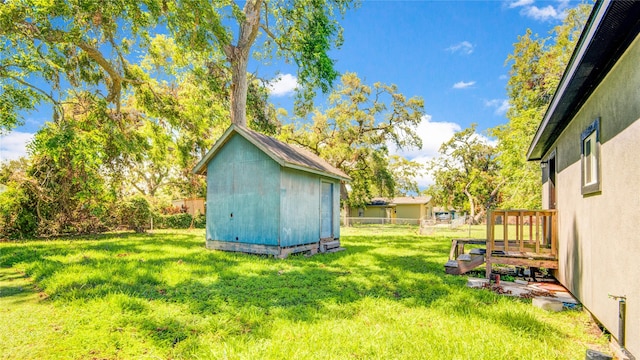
[590,158]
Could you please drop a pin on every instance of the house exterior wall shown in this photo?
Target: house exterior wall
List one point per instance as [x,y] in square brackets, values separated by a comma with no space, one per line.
[599,241]
[410,211]
[370,212]
[243,195]
[300,207]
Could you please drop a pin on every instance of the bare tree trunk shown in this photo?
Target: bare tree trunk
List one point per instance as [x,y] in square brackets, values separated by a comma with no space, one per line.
[472,205]
[238,56]
[239,88]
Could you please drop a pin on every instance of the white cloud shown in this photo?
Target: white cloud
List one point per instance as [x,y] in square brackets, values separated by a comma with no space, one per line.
[283,86]
[500,105]
[465,48]
[14,145]
[463,85]
[503,77]
[543,14]
[433,135]
[546,13]
[519,3]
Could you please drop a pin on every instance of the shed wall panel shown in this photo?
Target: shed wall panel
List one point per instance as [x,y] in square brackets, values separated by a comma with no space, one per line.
[299,208]
[336,207]
[243,195]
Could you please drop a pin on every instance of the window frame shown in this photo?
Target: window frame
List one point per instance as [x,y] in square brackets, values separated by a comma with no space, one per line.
[591,131]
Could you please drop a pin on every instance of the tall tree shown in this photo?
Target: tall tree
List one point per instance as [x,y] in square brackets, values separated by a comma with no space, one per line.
[404,174]
[355,132]
[537,64]
[69,188]
[48,48]
[303,31]
[182,111]
[466,174]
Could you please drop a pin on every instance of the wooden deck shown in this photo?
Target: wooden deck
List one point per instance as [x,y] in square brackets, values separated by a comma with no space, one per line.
[514,237]
[522,238]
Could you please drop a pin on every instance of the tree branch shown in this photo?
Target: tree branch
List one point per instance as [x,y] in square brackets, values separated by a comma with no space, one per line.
[18,80]
[273,37]
[58,36]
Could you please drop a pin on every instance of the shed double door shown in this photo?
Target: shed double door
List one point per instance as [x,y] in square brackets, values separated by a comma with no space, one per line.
[326,210]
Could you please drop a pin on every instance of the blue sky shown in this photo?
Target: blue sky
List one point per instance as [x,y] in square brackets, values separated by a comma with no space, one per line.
[451,53]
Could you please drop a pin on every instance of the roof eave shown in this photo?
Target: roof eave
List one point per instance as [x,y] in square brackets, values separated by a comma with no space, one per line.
[201,167]
[611,28]
[568,75]
[314,171]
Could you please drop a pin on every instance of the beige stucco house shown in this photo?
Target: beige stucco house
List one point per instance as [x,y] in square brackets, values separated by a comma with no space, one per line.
[404,207]
[410,207]
[588,145]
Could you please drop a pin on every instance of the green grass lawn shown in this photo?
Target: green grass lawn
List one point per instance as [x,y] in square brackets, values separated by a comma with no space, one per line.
[163,295]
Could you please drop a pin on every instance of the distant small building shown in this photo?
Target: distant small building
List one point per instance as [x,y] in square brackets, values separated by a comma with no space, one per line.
[443,214]
[405,207]
[268,197]
[194,207]
[413,207]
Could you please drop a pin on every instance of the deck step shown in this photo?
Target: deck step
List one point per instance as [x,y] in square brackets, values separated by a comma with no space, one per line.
[331,244]
[464,257]
[464,264]
[326,246]
[338,249]
[451,263]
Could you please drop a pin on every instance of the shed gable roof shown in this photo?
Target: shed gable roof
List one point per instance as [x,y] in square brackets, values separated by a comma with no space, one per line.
[609,31]
[286,155]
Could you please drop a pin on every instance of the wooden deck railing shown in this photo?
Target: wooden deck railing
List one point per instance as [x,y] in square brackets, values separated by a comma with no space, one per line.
[522,237]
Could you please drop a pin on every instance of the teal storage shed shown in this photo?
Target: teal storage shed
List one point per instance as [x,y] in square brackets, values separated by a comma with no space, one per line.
[268,197]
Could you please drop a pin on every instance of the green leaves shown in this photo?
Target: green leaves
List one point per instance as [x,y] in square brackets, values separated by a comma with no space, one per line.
[355,133]
[48,46]
[537,65]
[466,174]
[301,31]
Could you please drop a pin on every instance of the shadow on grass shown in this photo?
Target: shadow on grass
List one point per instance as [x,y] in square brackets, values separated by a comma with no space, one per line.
[248,289]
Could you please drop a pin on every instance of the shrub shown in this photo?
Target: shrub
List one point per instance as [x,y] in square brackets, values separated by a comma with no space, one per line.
[135,213]
[200,222]
[177,221]
[17,220]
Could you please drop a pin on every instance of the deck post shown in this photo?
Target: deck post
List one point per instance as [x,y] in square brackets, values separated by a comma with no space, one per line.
[537,232]
[505,230]
[532,252]
[554,233]
[487,255]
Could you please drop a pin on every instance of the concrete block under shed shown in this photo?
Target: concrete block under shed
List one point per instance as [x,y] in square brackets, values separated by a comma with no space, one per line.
[548,304]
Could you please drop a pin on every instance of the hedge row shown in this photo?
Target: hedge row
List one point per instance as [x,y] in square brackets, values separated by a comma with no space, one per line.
[178,221]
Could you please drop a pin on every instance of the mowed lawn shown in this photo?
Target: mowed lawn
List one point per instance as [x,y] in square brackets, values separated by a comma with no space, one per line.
[163,295]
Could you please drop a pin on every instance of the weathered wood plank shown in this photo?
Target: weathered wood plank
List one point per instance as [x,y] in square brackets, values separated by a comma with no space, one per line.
[281,252]
[243,247]
[454,246]
[549,264]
